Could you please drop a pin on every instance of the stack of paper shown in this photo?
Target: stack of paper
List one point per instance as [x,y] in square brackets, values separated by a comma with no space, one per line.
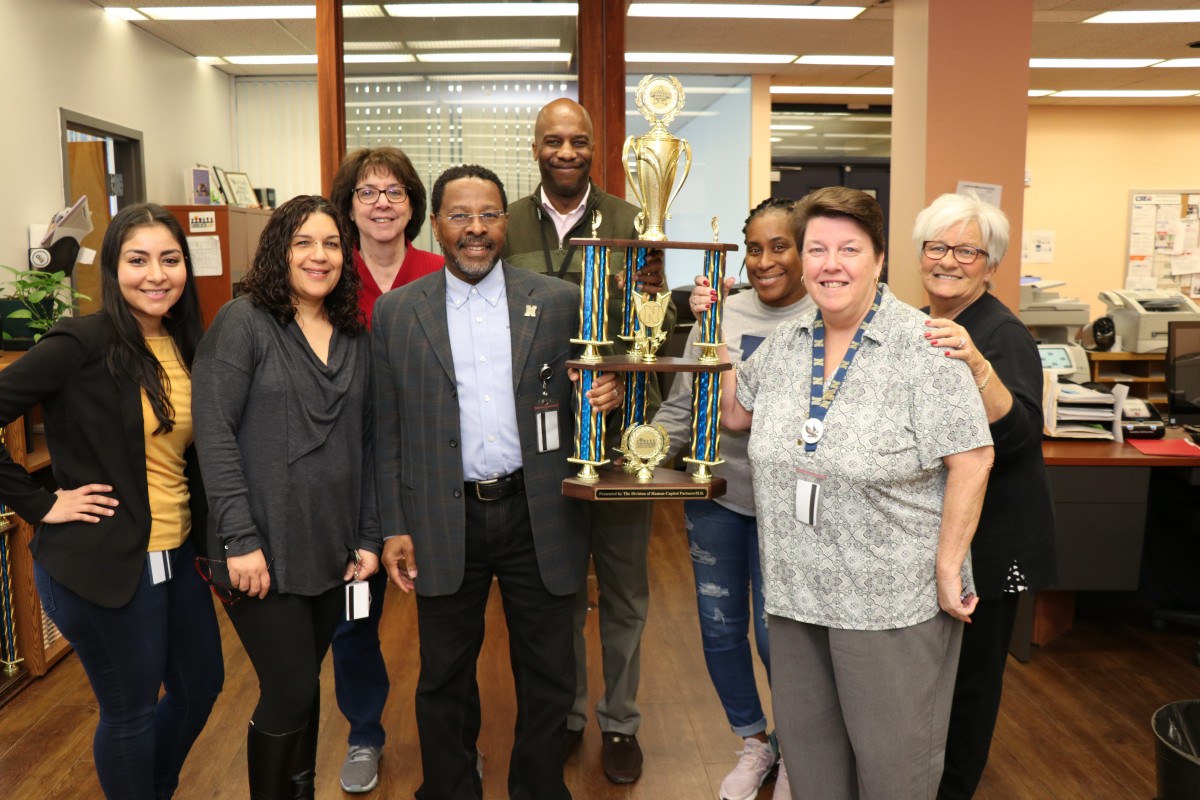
[1072,411]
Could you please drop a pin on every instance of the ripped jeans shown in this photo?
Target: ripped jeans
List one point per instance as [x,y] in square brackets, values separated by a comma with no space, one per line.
[724,548]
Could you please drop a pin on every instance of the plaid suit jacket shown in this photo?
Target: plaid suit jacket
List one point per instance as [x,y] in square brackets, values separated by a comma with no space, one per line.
[417,446]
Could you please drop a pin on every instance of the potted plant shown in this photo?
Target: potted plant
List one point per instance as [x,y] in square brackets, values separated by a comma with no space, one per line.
[33,301]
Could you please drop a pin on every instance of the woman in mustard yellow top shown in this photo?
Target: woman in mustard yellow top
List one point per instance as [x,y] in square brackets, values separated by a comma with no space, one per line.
[113,551]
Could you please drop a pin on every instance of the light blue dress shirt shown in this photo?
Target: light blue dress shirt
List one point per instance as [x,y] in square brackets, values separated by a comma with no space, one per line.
[481,344]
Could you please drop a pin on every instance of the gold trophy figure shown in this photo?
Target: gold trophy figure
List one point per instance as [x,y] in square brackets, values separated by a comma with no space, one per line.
[656,154]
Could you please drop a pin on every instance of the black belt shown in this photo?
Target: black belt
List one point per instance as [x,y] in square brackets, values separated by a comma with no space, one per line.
[497,488]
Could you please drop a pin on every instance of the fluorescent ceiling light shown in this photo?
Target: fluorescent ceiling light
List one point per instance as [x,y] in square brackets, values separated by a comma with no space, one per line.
[849,61]
[210,60]
[775,139]
[482,10]
[193,13]
[506,78]
[462,44]
[379,58]
[885,90]
[358,12]
[1182,15]
[857,135]
[1180,62]
[1040,92]
[257,61]
[127,14]
[1132,93]
[491,58]
[708,58]
[775,127]
[1091,63]
[730,11]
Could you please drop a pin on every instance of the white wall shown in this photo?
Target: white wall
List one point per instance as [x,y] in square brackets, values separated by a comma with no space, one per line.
[70,54]
[718,185]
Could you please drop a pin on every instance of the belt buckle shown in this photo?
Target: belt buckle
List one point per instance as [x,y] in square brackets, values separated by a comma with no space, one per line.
[488,483]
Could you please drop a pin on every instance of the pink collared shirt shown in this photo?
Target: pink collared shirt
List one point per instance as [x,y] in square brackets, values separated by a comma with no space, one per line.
[564,222]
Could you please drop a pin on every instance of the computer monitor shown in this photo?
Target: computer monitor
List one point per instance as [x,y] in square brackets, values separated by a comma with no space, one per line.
[1183,372]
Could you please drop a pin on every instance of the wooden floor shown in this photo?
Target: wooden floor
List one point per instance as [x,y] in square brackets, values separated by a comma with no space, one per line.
[1075,722]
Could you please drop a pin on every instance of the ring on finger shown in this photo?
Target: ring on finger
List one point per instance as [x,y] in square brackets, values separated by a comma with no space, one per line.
[962,342]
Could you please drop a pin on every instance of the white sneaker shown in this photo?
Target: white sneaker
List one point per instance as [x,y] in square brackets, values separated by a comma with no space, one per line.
[782,790]
[752,769]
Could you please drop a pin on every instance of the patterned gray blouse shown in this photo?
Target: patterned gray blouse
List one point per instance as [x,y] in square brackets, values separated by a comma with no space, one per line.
[869,562]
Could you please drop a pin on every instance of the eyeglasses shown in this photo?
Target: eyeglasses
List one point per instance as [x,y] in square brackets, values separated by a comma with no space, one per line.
[963,253]
[215,573]
[488,218]
[369,194]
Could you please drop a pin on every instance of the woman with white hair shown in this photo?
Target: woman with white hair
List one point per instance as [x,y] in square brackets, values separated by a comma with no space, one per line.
[961,241]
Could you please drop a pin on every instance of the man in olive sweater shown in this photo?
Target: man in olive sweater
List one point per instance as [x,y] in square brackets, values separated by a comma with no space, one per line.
[539,228]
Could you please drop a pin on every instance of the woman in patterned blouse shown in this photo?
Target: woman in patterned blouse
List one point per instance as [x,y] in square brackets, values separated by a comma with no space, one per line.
[870,454]
[961,241]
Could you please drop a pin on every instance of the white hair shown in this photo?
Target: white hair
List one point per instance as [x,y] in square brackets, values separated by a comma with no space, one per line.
[952,210]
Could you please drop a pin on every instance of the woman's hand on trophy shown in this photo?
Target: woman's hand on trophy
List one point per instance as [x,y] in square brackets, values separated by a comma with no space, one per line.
[704,297]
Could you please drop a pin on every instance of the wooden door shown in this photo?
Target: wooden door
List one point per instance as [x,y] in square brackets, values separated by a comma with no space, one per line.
[89,175]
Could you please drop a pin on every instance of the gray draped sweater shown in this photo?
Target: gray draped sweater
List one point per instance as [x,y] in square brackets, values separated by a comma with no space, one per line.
[286,447]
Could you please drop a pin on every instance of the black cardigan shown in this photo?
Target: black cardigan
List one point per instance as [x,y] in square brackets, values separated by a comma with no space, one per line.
[1017,522]
[94,430]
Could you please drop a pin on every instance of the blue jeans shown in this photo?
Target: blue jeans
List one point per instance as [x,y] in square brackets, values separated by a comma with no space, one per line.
[724,547]
[165,636]
[360,676]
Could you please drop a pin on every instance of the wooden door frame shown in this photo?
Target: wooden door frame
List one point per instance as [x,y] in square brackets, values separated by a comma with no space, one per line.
[128,158]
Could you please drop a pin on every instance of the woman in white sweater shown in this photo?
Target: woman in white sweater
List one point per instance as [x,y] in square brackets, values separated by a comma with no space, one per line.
[723,533]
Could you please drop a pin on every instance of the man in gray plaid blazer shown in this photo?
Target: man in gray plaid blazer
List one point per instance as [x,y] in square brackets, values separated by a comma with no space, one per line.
[474,423]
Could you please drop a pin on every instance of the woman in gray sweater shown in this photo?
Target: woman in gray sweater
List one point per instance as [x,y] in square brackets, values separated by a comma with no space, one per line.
[284,430]
[723,533]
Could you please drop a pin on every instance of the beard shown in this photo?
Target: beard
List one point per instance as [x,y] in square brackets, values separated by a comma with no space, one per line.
[475,271]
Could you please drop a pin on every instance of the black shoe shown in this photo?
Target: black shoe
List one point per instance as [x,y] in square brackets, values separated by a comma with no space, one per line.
[571,742]
[622,757]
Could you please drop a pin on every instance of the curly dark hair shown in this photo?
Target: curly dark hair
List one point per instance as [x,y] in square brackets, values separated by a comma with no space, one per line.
[128,357]
[465,171]
[268,282]
[367,160]
[780,204]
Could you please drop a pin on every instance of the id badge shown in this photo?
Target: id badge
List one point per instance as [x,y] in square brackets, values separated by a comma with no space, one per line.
[809,487]
[358,600]
[545,412]
[159,564]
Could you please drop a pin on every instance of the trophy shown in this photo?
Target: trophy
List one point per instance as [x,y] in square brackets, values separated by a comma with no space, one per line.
[651,174]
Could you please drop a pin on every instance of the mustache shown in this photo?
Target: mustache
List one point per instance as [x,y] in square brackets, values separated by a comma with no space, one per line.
[469,241]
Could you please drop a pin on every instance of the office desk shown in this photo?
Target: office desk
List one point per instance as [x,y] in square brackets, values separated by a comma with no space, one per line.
[1100,491]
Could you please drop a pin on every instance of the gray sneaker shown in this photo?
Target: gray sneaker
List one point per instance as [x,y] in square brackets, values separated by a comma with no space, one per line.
[360,773]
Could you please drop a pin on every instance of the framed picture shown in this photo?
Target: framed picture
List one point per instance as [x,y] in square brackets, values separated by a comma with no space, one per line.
[241,192]
[198,182]
[221,182]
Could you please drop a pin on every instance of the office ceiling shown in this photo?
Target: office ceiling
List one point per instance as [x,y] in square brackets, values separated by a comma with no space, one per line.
[1058,32]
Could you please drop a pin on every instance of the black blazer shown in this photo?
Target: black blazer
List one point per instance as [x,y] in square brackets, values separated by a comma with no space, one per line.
[95,435]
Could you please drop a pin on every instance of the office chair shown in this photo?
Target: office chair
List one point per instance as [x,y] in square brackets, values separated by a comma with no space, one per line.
[1172,548]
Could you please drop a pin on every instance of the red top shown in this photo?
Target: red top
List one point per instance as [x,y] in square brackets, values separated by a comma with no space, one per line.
[417,264]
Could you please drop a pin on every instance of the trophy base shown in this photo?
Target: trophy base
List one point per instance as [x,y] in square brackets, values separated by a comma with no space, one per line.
[665,484]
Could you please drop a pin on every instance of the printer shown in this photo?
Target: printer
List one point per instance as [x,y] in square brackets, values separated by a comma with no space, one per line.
[1141,316]
[1057,319]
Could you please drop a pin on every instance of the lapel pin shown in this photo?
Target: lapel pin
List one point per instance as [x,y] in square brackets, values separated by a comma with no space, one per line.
[531,311]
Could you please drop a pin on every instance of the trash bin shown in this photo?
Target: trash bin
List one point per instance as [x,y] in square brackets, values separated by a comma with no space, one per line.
[1177,751]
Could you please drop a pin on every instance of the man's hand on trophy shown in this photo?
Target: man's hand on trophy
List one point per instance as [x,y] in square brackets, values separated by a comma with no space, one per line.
[651,277]
[607,392]
[703,296]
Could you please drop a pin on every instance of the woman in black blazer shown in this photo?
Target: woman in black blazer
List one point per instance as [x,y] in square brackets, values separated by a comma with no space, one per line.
[113,555]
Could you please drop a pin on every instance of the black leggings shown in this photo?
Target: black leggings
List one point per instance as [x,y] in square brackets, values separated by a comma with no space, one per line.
[286,637]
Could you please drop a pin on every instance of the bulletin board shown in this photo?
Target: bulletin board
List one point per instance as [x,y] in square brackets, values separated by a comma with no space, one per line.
[1164,241]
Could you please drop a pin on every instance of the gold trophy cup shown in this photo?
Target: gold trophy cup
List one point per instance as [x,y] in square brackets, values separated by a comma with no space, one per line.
[652,171]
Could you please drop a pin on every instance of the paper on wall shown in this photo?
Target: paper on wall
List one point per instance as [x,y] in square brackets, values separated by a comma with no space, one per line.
[206,255]
[1037,247]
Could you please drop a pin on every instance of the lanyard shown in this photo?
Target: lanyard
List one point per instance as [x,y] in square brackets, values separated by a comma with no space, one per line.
[566,262]
[821,399]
